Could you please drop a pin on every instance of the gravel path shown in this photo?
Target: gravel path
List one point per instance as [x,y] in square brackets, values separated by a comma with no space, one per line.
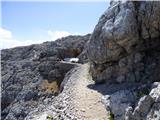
[87,101]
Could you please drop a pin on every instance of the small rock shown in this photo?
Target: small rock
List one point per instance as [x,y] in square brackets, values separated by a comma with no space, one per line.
[83,110]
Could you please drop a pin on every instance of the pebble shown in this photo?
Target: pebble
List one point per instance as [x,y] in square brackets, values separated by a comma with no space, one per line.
[83,110]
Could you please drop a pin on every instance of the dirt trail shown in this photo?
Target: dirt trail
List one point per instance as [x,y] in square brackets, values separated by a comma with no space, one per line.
[87,101]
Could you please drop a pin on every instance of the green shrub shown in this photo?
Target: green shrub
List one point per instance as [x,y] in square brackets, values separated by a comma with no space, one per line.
[49,118]
[111,116]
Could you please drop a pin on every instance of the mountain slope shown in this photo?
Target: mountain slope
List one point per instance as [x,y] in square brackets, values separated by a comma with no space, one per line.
[33,73]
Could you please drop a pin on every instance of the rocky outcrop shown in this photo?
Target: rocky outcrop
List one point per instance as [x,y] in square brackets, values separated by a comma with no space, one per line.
[123,51]
[137,103]
[124,46]
[148,106]
[57,108]
[117,102]
[33,74]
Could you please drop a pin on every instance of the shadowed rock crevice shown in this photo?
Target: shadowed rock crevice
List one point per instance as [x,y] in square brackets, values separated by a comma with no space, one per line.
[53,73]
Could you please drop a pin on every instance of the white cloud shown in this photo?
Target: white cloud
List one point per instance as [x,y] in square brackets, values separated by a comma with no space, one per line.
[5,34]
[7,39]
[54,35]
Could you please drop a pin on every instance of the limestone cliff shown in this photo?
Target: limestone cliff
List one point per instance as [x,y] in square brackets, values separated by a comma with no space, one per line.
[124,53]
[124,46]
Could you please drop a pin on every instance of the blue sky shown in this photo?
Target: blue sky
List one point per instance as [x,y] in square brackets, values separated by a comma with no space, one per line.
[35,22]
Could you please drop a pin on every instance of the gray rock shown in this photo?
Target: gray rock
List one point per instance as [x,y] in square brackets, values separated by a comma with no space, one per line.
[10,117]
[126,43]
[120,79]
[154,113]
[148,107]
[25,68]
[143,107]
[117,102]
[54,75]
[155,92]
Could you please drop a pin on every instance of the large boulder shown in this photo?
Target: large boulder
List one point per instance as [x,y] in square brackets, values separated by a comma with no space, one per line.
[118,102]
[124,51]
[124,46]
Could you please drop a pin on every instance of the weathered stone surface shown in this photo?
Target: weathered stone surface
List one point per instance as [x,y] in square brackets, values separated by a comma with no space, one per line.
[118,102]
[143,107]
[134,103]
[24,70]
[154,113]
[126,43]
[148,107]
[124,50]
[60,107]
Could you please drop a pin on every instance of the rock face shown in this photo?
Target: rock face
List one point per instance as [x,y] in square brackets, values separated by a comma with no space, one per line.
[124,46]
[118,102]
[123,51]
[148,106]
[32,74]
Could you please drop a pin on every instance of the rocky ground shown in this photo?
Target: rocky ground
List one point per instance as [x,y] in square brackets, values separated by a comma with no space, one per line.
[34,73]
[76,102]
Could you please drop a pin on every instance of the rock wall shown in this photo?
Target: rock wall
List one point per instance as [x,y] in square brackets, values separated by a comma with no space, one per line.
[124,53]
[124,46]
